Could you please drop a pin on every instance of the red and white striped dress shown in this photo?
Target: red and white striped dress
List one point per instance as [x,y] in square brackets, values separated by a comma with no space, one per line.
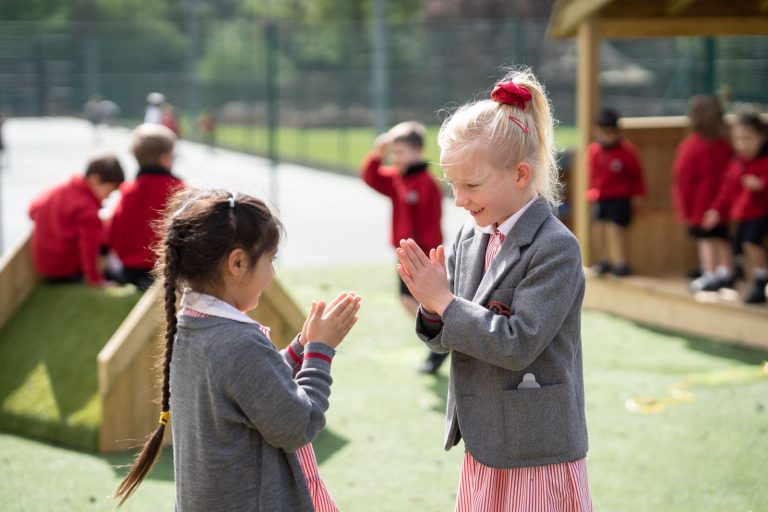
[553,488]
[321,498]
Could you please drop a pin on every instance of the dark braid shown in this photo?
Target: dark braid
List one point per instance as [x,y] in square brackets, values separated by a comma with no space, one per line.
[152,448]
[199,230]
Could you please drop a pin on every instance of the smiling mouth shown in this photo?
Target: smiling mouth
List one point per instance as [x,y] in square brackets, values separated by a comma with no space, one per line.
[477,212]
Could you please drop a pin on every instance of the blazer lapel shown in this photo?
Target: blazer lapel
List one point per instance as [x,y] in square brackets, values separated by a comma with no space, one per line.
[473,256]
[509,254]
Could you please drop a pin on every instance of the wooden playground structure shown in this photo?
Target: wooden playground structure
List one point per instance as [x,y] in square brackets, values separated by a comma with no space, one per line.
[661,254]
[128,375]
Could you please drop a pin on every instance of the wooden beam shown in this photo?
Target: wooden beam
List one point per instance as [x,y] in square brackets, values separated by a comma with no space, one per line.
[678,6]
[567,15]
[620,28]
[762,5]
[587,94]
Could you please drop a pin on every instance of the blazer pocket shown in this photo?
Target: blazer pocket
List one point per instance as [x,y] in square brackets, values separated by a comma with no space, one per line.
[537,422]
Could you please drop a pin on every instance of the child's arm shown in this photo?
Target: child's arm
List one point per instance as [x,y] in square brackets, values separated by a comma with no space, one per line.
[718,212]
[636,171]
[540,304]
[372,176]
[288,413]
[90,235]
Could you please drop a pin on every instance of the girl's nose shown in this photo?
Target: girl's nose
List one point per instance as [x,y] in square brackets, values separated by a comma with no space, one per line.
[459,199]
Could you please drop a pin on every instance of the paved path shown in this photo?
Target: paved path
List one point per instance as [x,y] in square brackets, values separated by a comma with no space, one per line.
[329,218]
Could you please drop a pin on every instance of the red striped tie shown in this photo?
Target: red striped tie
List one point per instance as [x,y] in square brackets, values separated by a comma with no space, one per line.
[494,244]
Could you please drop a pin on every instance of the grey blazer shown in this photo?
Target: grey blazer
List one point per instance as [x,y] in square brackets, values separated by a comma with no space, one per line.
[523,315]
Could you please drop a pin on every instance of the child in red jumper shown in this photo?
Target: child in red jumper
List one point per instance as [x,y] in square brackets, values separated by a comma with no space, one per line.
[416,199]
[700,164]
[132,228]
[743,197]
[615,179]
[66,239]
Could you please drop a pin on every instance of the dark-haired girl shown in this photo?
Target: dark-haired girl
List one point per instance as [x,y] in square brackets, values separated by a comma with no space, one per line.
[243,413]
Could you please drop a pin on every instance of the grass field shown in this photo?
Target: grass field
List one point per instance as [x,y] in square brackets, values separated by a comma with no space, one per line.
[48,383]
[340,149]
[382,449]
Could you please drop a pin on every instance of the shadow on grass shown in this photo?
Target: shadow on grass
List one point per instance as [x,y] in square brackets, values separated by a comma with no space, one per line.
[438,384]
[327,443]
[721,349]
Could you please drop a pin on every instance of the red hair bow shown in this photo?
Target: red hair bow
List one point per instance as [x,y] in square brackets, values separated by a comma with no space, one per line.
[510,93]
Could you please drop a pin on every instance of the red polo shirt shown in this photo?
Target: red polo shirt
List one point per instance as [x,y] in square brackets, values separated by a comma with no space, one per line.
[68,232]
[737,202]
[416,201]
[614,172]
[698,173]
[132,227]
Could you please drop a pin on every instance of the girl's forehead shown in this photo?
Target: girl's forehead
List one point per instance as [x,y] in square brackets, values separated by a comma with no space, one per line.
[463,172]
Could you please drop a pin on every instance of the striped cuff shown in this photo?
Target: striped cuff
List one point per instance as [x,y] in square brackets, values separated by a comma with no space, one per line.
[430,318]
[295,352]
[317,353]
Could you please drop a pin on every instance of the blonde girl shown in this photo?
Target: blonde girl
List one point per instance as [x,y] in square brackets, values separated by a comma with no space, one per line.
[506,304]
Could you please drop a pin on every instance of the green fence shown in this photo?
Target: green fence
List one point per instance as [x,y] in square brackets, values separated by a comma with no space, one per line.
[315,82]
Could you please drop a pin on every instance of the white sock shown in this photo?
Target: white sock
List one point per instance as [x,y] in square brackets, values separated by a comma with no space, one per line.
[761,273]
[723,272]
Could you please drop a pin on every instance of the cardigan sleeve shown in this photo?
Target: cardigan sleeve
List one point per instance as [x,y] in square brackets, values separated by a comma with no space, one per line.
[372,176]
[288,413]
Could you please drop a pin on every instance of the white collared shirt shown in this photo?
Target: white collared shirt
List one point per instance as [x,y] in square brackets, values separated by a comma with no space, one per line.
[506,226]
[210,305]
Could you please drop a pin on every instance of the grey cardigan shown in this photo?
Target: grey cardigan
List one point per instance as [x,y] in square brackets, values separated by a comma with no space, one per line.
[523,315]
[238,416]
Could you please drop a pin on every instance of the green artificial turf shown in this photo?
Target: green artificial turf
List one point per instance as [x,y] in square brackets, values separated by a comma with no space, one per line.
[382,447]
[48,383]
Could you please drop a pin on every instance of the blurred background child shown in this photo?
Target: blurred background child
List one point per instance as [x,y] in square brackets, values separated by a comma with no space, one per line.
[415,196]
[743,198]
[132,227]
[68,233]
[700,164]
[615,179]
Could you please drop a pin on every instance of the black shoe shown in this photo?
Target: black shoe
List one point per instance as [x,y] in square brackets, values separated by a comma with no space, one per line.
[621,270]
[756,293]
[727,282]
[602,268]
[433,363]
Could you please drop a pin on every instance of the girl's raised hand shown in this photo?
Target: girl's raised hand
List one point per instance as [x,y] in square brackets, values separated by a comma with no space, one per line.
[424,276]
[331,324]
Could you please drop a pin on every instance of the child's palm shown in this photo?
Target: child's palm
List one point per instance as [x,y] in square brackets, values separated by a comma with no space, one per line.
[331,324]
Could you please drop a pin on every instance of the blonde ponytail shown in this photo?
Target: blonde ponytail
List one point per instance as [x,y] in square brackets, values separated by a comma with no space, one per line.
[497,136]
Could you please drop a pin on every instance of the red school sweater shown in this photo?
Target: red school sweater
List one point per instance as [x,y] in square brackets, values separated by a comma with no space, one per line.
[68,232]
[737,202]
[132,227]
[698,171]
[416,201]
[614,172]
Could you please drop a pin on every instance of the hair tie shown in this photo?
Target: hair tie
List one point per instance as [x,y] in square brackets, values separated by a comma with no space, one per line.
[231,200]
[509,93]
[165,417]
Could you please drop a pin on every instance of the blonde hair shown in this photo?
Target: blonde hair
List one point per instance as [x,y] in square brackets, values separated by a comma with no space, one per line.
[483,133]
[151,141]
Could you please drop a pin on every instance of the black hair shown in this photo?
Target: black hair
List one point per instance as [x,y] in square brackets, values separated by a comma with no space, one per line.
[107,168]
[607,118]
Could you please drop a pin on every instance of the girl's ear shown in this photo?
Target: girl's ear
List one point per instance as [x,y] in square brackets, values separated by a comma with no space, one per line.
[237,263]
[523,174]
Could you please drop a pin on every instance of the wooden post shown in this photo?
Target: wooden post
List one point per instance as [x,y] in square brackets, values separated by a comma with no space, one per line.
[586,106]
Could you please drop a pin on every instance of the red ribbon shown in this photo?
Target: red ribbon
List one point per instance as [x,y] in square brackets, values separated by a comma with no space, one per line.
[510,93]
